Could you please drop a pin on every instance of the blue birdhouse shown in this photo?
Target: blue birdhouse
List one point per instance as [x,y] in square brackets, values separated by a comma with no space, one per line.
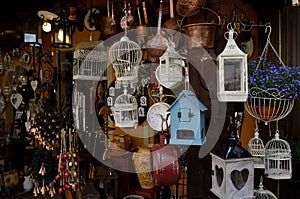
[187,120]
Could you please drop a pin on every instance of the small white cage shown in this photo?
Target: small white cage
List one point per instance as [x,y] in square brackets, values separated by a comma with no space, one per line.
[262,193]
[125,111]
[278,159]
[257,150]
[90,61]
[125,57]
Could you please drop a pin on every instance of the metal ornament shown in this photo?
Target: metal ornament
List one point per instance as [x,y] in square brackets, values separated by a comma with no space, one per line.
[2,102]
[16,100]
[34,84]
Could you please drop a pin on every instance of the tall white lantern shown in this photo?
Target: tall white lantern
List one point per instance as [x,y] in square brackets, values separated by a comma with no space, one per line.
[232,73]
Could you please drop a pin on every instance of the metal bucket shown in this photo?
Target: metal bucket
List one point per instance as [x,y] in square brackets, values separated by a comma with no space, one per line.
[202,34]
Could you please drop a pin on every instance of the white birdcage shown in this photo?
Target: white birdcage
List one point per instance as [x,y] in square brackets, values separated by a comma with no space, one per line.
[125,111]
[262,193]
[257,150]
[90,61]
[278,158]
[125,57]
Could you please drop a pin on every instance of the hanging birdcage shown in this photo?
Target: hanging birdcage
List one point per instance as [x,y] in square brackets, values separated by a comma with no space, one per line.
[125,111]
[170,70]
[125,57]
[257,150]
[262,193]
[278,158]
[90,61]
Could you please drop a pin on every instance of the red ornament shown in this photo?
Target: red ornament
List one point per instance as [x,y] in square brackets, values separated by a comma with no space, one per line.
[65,156]
[58,177]
[63,164]
[60,190]
[57,156]
[67,186]
[62,167]
[67,174]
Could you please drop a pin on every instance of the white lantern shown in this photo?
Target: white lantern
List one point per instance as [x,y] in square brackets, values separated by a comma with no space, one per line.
[233,172]
[232,74]
[170,69]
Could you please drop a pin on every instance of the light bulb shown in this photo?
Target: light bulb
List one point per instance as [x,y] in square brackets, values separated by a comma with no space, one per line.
[60,35]
[46,26]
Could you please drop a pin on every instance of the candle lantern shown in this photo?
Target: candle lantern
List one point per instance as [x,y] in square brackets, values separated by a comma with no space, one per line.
[233,171]
[169,71]
[232,73]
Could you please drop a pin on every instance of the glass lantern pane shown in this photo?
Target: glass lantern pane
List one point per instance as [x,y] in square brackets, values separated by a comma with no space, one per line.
[232,74]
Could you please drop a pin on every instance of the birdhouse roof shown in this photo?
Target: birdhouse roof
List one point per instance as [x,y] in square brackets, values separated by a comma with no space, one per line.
[191,97]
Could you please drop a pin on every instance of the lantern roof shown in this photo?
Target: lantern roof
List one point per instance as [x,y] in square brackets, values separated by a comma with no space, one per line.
[233,149]
[231,48]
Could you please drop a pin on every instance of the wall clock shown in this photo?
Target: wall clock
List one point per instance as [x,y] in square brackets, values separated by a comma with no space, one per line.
[157,116]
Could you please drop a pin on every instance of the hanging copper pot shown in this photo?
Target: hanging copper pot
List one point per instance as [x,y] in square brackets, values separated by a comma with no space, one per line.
[189,7]
[203,34]
[157,45]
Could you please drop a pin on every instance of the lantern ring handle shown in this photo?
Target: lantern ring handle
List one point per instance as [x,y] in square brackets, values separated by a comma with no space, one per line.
[226,35]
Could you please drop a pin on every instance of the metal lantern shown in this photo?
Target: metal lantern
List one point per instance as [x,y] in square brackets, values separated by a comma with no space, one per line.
[232,74]
[169,71]
[233,171]
[278,159]
[262,193]
[257,150]
[125,57]
[32,27]
[90,61]
[125,111]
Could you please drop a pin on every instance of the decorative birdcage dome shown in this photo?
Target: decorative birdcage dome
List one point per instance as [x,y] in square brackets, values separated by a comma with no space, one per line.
[125,111]
[262,193]
[125,57]
[90,60]
[278,158]
[257,150]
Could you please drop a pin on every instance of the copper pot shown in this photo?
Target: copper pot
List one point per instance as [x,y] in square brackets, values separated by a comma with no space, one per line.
[202,34]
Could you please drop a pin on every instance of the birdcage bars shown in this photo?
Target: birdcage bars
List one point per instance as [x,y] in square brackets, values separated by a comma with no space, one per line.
[257,150]
[125,57]
[278,158]
[90,61]
[125,111]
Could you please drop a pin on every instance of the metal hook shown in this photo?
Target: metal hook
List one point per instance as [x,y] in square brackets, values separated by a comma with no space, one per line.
[268,26]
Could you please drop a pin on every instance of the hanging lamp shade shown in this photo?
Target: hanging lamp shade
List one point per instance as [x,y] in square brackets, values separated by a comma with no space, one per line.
[232,73]
[125,57]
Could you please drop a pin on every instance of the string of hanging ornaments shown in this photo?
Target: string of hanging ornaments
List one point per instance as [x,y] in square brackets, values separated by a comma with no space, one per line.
[125,57]
[268,103]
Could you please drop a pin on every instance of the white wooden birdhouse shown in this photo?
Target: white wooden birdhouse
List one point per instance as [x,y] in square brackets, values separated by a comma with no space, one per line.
[233,172]
[169,73]
[232,73]
[187,120]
